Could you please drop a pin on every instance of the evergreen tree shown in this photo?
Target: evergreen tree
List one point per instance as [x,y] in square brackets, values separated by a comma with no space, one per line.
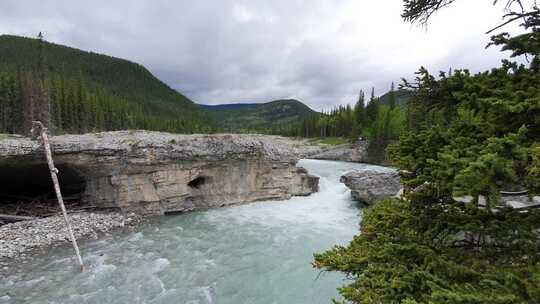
[392,97]
[359,109]
[371,109]
[41,67]
[81,92]
[477,135]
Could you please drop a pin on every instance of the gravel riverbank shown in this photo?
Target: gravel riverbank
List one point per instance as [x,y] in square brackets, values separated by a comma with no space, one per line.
[18,240]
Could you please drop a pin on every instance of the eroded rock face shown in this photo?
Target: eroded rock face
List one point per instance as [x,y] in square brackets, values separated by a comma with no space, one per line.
[369,186]
[356,152]
[156,173]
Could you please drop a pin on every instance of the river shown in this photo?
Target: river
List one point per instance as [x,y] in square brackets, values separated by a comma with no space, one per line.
[254,253]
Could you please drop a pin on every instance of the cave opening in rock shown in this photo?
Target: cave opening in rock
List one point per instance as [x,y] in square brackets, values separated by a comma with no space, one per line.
[30,184]
[198,182]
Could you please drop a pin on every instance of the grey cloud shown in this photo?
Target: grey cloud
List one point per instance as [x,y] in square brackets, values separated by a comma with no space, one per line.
[252,51]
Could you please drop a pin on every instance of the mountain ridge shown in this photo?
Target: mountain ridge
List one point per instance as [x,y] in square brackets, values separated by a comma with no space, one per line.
[243,117]
[118,76]
[121,93]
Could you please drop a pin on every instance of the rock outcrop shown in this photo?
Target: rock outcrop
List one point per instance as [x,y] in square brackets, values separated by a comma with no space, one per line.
[157,173]
[356,152]
[306,149]
[369,186]
[515,201]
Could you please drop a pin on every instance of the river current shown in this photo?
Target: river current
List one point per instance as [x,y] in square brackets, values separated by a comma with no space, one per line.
[254,253]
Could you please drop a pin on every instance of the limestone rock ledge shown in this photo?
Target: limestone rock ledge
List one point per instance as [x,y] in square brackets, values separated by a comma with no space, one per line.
[156,173]
[356,152]
[369,186]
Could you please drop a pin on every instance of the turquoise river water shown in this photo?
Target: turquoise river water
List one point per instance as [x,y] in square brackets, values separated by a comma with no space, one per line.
[254,253]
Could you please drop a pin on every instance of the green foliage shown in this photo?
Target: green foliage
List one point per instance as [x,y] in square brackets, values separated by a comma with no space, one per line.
[466,135]
[421,10]
[406,256]
[533,169]
[336,123]
[332,141]
[476,137]
[381,121]
[527,43]
[387,126]
[399,98]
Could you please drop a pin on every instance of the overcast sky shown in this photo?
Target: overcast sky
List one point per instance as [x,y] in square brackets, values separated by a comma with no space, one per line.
[218,51]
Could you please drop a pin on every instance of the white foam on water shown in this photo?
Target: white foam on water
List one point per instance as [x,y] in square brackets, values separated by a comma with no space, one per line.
[136,237]
[160,264]
[208,294]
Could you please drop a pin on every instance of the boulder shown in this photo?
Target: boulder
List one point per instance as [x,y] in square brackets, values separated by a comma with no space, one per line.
[369,185]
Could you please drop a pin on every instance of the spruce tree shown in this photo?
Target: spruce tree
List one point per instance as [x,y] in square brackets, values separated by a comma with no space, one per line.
[359,110]
[392,97]
[477,135]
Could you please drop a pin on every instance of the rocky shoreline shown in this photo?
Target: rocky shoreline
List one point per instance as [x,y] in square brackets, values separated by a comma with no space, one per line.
[20,241]
[355,152]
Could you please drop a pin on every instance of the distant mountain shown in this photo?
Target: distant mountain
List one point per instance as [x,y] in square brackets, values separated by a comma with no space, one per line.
[402,97]
[228,106]
[256,117]
[102,75]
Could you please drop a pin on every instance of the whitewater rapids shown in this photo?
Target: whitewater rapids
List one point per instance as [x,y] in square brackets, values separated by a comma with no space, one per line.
[255,253]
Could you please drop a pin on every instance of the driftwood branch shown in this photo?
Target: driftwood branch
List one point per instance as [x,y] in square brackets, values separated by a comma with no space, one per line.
[39,129]
[15,218]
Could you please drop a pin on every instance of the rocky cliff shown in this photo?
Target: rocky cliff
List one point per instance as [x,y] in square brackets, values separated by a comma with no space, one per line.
[157,173]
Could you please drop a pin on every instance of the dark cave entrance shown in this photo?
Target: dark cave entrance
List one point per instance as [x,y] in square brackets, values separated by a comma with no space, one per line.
[26,189]
[35,180]
[198,182]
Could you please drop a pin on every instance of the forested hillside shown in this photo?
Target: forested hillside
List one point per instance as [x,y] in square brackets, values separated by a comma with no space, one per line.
[468,139]
[263,117]
[77,91]
[379,119]
[401,97]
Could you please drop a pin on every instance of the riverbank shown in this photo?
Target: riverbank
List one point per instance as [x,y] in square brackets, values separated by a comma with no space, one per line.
[20,241]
